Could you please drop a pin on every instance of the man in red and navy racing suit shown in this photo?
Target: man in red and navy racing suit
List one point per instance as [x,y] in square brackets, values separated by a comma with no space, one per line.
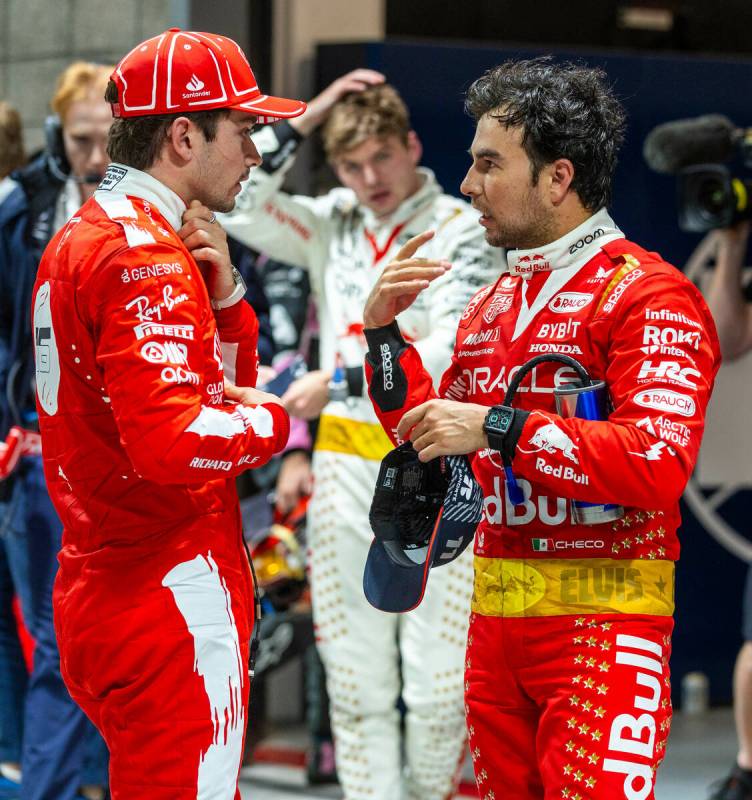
[143,436]
[567,679]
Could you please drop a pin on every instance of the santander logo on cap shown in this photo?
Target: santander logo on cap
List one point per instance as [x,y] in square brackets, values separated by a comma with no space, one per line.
[182,71]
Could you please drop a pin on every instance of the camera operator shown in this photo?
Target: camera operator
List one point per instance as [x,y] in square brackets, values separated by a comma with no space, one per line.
[730,302]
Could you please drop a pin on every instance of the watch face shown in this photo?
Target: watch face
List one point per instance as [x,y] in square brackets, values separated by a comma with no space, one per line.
[499,418]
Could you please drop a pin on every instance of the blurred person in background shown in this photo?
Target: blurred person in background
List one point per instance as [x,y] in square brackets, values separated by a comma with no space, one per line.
[62,751]
[13,675]
[345,238]
[729,298]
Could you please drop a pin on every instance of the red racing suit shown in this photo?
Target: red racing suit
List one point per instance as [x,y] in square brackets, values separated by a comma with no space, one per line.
[154,598]
[567,679]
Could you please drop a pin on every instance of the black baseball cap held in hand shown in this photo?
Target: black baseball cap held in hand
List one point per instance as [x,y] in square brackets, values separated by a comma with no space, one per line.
[422,516]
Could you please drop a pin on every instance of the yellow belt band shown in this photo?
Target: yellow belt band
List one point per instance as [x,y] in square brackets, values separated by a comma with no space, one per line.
[342,435]
[509,587]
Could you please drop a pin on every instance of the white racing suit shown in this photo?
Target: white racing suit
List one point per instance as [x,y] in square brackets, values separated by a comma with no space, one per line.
[371,657]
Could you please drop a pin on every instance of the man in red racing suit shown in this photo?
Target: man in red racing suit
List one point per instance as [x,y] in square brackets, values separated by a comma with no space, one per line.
[143,435]
[567,679]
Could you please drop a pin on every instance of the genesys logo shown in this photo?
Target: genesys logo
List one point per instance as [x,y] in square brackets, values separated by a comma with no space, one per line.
[621,287]
[666,400]
[569,302]
[671,371]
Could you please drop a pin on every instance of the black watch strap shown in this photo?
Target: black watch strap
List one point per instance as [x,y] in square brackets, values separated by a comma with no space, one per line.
[503,427]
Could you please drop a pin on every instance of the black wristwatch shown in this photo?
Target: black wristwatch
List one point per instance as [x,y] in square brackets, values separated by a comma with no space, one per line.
[497,425]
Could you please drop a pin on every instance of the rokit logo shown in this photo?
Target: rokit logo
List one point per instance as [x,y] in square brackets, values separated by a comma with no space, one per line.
[621,287]
[653,335]
[569,302]
[666,429]
[668,371]
[386,366]
[165,353]
[666,400]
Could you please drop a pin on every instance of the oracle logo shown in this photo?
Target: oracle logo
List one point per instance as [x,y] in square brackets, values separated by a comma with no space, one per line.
[666,400]
[568,302]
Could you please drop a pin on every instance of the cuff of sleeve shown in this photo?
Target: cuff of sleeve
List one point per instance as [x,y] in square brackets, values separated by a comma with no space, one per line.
[281,425]
[288,140]
[355,379]
[387,335]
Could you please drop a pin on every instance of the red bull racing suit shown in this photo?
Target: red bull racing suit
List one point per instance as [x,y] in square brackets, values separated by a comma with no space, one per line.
[566,679]
[154,599]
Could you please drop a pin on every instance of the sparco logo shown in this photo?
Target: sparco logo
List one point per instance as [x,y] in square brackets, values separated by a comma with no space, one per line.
[665,400]
[386,366]
[589,239]
[568,302]
[622,287]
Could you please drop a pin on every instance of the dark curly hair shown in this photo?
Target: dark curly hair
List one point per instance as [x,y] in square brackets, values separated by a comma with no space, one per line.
[565,111]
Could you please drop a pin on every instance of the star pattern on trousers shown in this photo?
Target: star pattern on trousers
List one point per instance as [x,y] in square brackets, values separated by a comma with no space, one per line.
[590,783]
[569,746]
[593,758]
[604,666]
[576,679]
[589,683]
[602,689]
[596,735]
[591,662]
[599,712]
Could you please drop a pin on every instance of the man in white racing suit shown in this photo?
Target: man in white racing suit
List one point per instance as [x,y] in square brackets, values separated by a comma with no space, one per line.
[345,239]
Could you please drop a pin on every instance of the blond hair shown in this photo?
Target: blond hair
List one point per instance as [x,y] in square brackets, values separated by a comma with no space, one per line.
[11,139]
[378,111]
[77,82]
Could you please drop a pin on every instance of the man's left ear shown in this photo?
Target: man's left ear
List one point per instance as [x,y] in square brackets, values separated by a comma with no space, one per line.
[414,147]
[561,177]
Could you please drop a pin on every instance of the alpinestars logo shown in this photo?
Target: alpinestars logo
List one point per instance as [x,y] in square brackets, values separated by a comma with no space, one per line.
[194,84]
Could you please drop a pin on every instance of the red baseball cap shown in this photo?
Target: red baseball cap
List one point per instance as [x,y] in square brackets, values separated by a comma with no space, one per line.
[180,71]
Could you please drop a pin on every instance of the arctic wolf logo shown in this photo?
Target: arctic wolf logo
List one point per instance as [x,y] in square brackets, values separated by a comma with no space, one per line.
[552,439]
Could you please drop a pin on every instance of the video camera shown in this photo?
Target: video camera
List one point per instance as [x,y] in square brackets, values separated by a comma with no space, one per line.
[695,150]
